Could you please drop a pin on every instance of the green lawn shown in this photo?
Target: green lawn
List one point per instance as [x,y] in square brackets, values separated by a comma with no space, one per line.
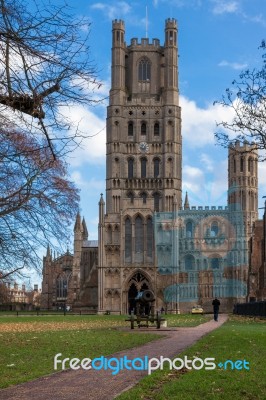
[238,339]
[28,344]
[186,319]
[28,355]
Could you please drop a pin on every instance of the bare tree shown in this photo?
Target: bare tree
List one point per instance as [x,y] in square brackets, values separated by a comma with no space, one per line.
[37,202]
[4,293]
[44,67]
[247,99]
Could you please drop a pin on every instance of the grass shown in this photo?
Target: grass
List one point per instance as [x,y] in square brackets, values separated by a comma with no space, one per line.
[28,344]
[238,339]
[26,355]
[174,320]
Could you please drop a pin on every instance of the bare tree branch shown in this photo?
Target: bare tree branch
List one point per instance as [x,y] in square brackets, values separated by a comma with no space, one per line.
[247,100]
[44,64]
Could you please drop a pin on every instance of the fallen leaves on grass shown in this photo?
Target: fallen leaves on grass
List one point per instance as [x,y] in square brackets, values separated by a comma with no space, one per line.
[39,326]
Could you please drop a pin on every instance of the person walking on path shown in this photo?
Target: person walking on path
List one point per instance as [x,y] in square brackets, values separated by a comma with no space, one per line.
[216,304]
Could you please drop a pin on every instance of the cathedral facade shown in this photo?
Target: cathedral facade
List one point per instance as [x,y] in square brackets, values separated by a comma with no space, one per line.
[149,239]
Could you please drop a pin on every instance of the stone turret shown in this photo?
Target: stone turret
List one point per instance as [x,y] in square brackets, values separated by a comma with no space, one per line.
[243,182]
[186,204]
[101,255]
[85,230]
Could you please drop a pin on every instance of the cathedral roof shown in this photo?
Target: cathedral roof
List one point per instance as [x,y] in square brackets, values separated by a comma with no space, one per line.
[90,243]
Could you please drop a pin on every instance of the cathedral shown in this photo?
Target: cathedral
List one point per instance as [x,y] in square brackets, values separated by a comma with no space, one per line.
[148,236]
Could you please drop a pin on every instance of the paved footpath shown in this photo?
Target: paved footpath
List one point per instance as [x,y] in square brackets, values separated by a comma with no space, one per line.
[102,385]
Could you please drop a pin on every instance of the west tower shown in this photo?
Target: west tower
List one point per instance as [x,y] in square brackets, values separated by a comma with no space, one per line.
[144,155]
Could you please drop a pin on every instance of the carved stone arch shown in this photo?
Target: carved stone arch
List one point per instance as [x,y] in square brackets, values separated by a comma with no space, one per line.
[108,293]
[136,215]
[157,199]
[138,277]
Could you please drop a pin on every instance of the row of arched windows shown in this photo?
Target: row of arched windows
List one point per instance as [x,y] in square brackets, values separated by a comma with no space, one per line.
[156,198]
[138,239]
[242,164]
[143,167]
[211,230]
[143,128]
[190,265]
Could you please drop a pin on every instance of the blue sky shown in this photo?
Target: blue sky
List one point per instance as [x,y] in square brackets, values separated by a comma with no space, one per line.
[217,39]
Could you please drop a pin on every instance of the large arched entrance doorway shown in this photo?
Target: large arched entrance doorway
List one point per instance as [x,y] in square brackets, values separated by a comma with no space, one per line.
[137,283]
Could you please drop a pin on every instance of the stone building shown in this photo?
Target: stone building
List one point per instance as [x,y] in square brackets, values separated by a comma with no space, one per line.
[257,272]
[18,298]
[71,280]
[147,238]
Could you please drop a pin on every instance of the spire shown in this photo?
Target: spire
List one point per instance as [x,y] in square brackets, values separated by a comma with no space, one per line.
[78,226]
[48,252]
[101,200]
[85,230]
[101,210]
[186,205]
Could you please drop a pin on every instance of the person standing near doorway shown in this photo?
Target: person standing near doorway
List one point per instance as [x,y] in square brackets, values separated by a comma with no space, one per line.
[216,304]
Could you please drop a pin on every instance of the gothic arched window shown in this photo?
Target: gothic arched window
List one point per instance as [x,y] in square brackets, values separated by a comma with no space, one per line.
[241,164]
[144,70]
[189,262]
[128,240]
[139,239]
[156,129]
[130,168]
[214,229]
[149,237]
[143,164]
[61,287]
[156,197]
[143,128]
[189,229]
[250,165]
[156,167]
[215,263]
[130,128]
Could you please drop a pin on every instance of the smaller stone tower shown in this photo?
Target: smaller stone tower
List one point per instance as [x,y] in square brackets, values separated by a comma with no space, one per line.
[243,183]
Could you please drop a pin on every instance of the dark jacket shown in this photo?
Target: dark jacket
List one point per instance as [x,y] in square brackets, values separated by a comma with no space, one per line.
[216,303]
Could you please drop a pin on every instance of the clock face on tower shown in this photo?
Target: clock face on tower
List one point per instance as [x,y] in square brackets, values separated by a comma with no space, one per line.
[144,147]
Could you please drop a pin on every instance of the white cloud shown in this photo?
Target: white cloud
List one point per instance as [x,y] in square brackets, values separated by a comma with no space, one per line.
[206,162]
[199,124]
[206,189]
[113,9]
[233,65]
[84,183]
[92,148]
[225,7]
[179,3]
[193,180]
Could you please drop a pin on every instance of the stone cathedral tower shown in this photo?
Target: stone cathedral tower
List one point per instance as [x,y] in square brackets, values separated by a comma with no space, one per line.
[147,240]
[143,163]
